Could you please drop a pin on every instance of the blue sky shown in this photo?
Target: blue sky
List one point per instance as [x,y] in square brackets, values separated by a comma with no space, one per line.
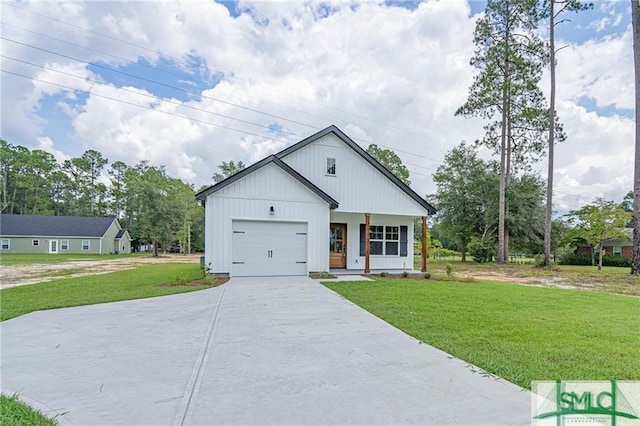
[191,85]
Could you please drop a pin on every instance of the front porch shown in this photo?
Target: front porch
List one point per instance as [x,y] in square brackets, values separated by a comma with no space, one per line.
[370,243]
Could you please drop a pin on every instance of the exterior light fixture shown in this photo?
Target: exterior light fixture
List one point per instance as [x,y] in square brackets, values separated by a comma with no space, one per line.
[272,211]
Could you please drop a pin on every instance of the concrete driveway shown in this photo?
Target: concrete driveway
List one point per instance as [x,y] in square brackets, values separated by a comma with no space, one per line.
[253,351]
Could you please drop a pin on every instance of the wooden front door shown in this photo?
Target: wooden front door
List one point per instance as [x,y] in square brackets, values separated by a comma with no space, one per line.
[338,245]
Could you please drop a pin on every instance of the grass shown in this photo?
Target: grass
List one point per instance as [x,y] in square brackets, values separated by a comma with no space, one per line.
[16,413]
[144,281]
[11,259]
[520,333]
[610,279]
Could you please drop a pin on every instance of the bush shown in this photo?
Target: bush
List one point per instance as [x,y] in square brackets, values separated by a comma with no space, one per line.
[405,274]
[616,260]
[481,250]
[449,268]
[585,259]
[575,259]
[384,274]
[427,275]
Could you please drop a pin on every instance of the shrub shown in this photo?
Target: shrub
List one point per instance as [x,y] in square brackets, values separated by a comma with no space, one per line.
[481,250]
[575,259]
[405,274]
[384,274]
[616,260]
[179,279]
[449,268]
[427,275]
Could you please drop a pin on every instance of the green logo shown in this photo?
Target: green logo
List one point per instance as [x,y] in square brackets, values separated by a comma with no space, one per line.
[577,402]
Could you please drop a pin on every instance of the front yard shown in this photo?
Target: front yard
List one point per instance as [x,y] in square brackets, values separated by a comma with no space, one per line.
[142,281]
[520,333]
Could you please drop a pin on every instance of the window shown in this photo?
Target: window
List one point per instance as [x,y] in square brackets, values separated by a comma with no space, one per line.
[392,239]
[85,245]
[5,244]
[35,243]
[376,239]
[331,166]
[617,250]
[384,240]
[64,245]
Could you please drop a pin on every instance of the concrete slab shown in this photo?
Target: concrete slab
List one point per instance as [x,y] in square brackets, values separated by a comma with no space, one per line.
[254,351]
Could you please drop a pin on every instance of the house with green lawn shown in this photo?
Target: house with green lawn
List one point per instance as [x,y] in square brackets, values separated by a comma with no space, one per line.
[21,233]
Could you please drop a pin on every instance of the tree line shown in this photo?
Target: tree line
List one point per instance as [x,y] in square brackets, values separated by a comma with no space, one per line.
[154,207]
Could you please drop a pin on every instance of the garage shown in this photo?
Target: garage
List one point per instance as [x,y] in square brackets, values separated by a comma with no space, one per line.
[261,248]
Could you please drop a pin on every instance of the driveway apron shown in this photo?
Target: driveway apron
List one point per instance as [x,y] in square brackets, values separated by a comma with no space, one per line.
[281,350]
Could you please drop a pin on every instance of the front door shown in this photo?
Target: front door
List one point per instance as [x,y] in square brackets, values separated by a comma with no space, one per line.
[338,245]
[53,246]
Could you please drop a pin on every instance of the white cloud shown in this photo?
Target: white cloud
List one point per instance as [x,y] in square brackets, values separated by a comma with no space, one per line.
[385,75]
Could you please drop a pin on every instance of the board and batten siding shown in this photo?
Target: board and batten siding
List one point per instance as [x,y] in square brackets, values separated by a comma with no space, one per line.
[251,198]
[354,260]
[357,185]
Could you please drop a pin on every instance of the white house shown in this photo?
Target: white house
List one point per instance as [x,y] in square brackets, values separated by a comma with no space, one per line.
[321,204]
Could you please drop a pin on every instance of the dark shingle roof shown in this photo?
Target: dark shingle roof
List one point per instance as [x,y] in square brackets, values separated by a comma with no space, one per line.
[53,226]
[120,234]
[284,166]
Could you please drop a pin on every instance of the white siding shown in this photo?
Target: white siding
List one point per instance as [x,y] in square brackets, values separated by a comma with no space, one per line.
[357,185]
[354,260]
[250,198]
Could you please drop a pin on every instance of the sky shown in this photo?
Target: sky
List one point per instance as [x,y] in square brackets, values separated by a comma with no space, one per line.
[189,84]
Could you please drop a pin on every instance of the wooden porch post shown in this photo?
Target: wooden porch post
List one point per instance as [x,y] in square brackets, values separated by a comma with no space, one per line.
[367,251]
[425,242]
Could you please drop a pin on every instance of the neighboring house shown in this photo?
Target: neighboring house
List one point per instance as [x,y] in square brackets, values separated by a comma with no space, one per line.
[62,234]
[321,204]
[623,247]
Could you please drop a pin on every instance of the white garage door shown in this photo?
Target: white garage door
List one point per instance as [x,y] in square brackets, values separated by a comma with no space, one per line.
[269,248]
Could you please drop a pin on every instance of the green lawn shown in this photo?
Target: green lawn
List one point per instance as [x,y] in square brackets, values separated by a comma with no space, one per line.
[137,283]
[15,413]
[520,333]
[11,259]
[610,279]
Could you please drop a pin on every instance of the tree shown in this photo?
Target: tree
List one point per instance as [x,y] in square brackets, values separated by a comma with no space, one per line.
[390,161]
[599,221]
[635,19]
[118,187]
[463,196]
[549,9]
[510,57]
[227,169]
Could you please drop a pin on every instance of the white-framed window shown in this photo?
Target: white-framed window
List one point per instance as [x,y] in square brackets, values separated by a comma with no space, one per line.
[86,245]
[5,244]
[617,250]
[64,244]
[384,240]
[331,166]
[35,243]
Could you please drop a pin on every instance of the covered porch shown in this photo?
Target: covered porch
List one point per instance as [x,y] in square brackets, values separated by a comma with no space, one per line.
[369,243]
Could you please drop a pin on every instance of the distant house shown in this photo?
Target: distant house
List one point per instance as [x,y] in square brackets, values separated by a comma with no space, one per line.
[62,234]
[622,247]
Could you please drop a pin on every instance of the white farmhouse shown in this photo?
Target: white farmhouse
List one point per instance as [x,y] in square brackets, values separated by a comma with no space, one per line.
[321,204]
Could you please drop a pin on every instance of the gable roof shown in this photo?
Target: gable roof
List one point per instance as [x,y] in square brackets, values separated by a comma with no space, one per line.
[121,233]
[16,225]
[364,154]
[272,159]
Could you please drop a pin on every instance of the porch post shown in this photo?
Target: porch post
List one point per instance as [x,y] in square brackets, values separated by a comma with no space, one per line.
[425,240]
[367,217]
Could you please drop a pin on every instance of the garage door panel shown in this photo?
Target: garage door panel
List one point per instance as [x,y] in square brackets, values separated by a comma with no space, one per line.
[269,248]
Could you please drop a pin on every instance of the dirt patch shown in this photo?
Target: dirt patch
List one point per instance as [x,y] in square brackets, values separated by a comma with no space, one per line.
[17,275]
